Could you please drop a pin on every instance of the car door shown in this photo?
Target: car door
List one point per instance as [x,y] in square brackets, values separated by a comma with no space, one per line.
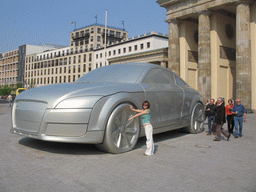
[167,98]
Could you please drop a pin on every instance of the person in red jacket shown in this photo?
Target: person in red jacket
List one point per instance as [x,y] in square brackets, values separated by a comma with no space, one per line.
[230,116]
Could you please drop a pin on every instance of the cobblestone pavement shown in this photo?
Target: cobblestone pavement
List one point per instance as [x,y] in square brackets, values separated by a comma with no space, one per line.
[183,162]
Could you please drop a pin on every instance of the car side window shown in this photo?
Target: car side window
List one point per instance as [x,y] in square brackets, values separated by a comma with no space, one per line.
[180,82]
[159,76]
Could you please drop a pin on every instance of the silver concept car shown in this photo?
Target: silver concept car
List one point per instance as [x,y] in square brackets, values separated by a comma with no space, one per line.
[95,108]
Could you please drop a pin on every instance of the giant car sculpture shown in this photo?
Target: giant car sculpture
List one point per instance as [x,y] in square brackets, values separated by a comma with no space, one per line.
[95,108]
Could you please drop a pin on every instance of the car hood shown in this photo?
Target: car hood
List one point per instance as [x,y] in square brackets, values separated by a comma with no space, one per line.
[53,94]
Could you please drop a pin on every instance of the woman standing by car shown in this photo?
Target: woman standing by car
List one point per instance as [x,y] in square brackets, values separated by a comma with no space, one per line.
[146,115]
[230,117]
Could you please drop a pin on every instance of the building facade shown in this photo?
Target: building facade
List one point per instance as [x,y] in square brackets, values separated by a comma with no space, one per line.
[68,64]
[13,63]
[212,46]
[9,67]
[147,48]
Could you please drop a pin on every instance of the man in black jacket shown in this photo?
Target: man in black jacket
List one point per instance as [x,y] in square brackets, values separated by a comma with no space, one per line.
[220,120]
[210,109]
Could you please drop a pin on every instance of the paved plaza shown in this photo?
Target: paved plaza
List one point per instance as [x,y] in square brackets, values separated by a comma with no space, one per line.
[182,162]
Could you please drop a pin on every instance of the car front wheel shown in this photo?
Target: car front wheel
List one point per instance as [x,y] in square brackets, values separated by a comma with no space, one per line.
[121,135]
[197,119]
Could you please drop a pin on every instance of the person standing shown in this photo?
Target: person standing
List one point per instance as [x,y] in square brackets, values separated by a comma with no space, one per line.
[211,108]
[220,120]
[207,102]
[146,116]
[239,117]
[230,117]
[9,98]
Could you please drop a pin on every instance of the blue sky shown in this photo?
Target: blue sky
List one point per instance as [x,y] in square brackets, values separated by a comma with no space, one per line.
[49,21]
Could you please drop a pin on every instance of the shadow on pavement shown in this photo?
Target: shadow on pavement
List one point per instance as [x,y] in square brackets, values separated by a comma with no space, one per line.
[89,149]
[61,148]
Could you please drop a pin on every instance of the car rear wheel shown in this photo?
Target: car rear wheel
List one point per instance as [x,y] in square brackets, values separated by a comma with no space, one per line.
[121,135]
[197,119]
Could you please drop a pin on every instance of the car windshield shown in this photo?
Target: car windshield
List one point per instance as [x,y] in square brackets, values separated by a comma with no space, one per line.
[118,73]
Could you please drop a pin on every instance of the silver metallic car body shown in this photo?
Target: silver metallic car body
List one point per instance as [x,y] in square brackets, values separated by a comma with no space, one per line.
[79,112]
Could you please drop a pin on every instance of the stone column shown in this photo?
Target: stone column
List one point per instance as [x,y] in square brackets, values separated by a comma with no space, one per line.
[243,54]
[163,64]
[204,55]
[174,47]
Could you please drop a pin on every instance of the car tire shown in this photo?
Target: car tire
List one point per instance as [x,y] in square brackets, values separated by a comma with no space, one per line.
[197,119]
[121,135]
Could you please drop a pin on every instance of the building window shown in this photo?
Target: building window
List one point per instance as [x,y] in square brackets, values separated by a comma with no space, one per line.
[99,30]
[135,47]
[74,59]
[148,44]
[96,56]
[119,51]
[79,59]
[74,78]
[141,46]
[118,34]
[84,69]
[98,38]
[92,30]
[109,53]
[84,57]
[124,50]
[100,55]
[79,70]
[90,57]
[74,69]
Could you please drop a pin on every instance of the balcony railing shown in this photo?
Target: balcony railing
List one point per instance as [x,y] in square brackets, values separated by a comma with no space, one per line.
[80,36]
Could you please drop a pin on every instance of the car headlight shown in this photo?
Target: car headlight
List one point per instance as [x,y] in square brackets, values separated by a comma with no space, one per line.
[78,102]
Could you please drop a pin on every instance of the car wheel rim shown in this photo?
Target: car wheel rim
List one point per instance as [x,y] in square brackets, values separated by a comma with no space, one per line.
[198,116]
[124,133]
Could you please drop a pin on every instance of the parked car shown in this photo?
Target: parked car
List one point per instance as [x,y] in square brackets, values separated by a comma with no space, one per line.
[95,108]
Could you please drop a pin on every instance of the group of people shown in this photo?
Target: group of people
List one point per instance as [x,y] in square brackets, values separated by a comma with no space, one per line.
[218,114]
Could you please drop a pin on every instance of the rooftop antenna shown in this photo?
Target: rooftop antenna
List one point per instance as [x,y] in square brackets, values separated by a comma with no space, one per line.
[73,23]
[122,24]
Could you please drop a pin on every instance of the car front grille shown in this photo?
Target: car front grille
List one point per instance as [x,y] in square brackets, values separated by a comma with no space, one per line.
[27,115]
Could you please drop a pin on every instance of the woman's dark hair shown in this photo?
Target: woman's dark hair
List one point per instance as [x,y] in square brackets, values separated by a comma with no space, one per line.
[146,103]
